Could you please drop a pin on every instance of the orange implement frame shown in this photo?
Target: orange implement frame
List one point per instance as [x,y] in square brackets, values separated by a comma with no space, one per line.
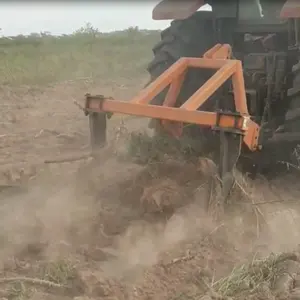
[215,58]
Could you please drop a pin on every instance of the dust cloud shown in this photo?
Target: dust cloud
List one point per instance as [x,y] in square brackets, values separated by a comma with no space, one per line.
[62,220]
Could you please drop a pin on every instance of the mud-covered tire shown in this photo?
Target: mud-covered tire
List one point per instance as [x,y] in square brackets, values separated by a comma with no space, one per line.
[292,116]
[191,37]
[279,148]
[289,131]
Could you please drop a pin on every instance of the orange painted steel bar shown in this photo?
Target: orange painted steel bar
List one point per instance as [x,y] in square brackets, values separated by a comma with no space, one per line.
[215,58]
[209,87]
[219,51]
[164,113]
[166,78]
[205,63]
[177,114]
[146,95]
[170,101]
[174,91]
[239,92]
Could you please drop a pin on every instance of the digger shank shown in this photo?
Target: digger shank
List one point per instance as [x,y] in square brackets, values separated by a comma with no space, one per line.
[234,127]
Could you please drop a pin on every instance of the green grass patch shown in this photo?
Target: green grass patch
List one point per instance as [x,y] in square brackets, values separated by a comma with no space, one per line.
[43,59]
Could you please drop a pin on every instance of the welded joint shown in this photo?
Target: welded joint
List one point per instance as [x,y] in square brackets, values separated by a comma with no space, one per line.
[100,99]
[236,128]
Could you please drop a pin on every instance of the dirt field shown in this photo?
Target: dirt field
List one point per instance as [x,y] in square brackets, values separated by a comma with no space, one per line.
[77,230]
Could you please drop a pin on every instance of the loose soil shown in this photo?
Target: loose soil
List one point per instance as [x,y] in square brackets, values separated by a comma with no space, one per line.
[111,229]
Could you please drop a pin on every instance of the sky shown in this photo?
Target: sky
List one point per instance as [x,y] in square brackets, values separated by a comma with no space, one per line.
[66,17]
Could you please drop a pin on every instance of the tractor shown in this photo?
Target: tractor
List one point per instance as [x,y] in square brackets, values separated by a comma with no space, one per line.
[233,71]
[264,36]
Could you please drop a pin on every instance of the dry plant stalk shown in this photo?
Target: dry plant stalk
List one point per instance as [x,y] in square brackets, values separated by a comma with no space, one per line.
[32,281]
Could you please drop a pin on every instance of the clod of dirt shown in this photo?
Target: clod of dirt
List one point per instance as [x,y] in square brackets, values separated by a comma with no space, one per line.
[206,166]
[96,284]
[162,196]
[164,187]
[284,284]
[295,294]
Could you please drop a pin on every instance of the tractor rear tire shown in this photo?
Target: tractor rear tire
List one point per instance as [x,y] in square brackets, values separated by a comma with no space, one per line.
[280,148]
[292,116]
[191,37]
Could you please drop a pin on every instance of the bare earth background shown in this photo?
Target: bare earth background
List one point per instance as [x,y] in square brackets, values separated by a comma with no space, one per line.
[77,230]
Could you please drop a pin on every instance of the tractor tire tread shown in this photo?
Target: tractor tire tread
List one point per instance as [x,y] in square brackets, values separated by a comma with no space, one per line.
[191,37]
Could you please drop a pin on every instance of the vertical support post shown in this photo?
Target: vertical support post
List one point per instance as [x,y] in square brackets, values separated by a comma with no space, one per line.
[230,148]
[97,123]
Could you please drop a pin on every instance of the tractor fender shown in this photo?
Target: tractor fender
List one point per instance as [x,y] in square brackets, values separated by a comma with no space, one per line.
[290,9]
[176,10]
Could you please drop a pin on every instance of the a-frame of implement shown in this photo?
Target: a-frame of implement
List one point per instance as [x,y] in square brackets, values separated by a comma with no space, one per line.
[234,127]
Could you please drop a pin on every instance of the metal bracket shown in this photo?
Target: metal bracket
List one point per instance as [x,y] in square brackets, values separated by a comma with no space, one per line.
[235,130]
[230,149]
[87,103]
[101,99]
[97,122]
